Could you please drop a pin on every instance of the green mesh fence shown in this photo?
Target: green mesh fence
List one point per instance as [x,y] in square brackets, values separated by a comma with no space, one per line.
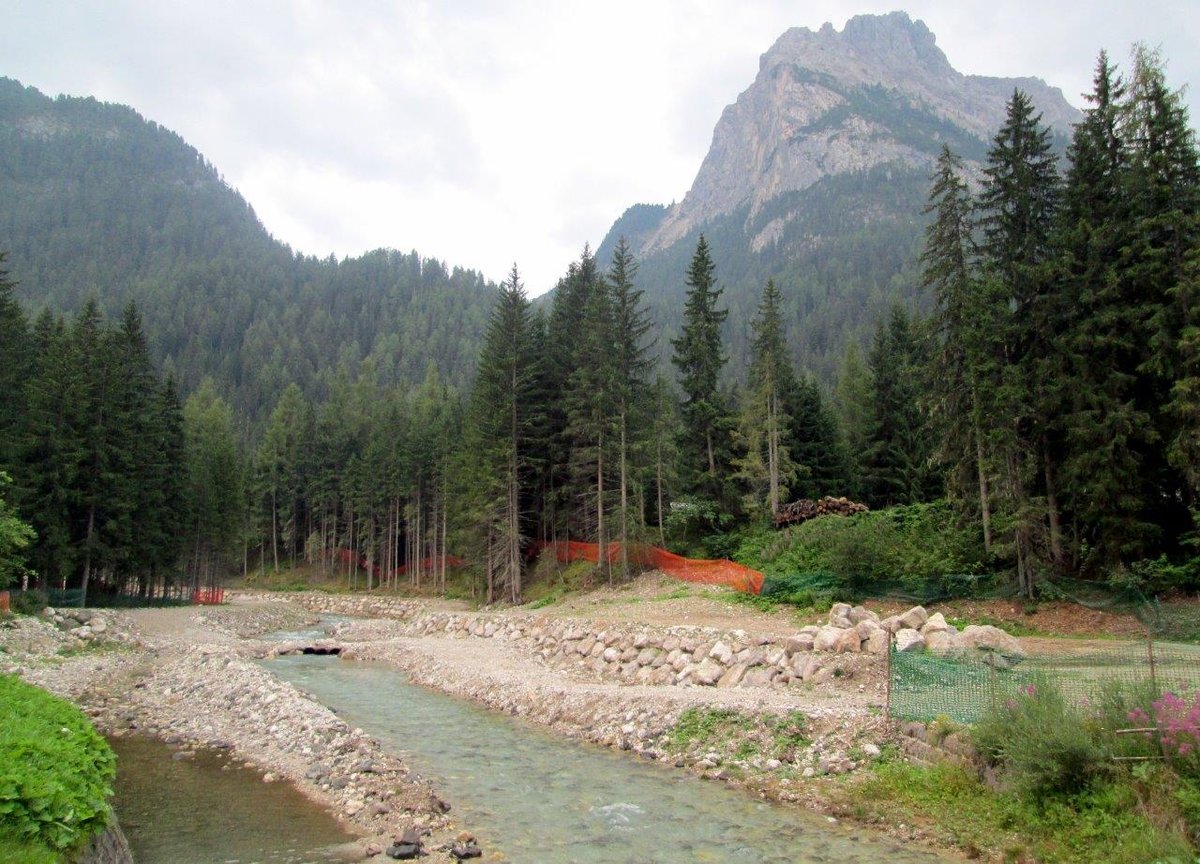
[925,686]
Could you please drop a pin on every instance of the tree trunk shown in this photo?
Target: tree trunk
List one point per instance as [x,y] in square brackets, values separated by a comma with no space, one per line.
[1056,547]
[624,503]
[985,503]
[602,548]
[274,531]
[662,534]
[773,453]
[87,560]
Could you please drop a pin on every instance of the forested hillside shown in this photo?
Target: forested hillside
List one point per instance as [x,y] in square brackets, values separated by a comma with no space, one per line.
[99,202]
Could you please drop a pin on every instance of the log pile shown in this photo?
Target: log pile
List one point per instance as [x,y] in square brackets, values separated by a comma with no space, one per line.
[806,508]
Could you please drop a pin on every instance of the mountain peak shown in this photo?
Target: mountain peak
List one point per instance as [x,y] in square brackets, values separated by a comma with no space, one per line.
[874,45]
[831,103]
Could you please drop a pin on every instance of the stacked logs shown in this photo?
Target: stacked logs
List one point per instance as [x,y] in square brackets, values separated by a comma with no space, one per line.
[806,508]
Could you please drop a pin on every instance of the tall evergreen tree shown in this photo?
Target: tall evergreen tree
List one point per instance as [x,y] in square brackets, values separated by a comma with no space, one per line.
[704,445]
[764,421]
[503,412]
[16,365]
[1018,313]
[633,364]
[958,371]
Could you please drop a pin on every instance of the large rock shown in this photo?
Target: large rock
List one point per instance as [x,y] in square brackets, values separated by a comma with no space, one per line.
[827,638]
[733,676]
[891,624]
[849,642]
[800,643]
[908,639]
[865,628]
[877,642]
[722,653]
[860,613]
[984,637]
[943,641]
[937,623]
[914,619]
[708,672]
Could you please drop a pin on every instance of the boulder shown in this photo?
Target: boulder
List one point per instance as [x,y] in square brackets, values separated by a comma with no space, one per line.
[811,667]
[915,618]
[849,642]
[988,638]
[839,610]
[708,672]
[877,642]
[860,613]
[759,677]
[937,624]
[722,653]
[800,643]
[943,641]
[733,676]
[866,627]
[908,639]
[891,624]
[827,639]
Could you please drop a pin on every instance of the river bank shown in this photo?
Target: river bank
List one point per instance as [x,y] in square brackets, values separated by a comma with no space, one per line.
[190,677]
[185,676]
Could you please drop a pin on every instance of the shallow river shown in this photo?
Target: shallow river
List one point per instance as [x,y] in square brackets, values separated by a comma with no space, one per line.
[205,810]
[540,799]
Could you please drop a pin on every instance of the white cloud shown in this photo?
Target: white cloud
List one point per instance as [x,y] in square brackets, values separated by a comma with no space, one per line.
[481,133]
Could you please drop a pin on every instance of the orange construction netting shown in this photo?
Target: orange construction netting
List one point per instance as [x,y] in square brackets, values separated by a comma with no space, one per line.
[345,556]
[704,571]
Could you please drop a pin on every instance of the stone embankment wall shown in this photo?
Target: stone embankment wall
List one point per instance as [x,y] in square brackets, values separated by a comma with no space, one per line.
[683,656]
[929,743]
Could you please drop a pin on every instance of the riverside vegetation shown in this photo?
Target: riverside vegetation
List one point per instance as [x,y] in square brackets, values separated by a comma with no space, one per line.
[56,775]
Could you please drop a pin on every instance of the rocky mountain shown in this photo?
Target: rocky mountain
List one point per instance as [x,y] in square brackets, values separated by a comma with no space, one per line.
[817,175]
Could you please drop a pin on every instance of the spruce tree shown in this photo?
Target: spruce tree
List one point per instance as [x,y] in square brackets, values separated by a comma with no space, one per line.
[704,444]
[958,369]
[1018,315]
[503,412]
[765,423]
[633,364]
[16,364]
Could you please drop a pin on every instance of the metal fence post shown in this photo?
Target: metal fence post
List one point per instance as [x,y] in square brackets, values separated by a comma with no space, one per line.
[887,699]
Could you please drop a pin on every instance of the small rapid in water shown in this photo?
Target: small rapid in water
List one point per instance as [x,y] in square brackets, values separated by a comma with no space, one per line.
[539,799]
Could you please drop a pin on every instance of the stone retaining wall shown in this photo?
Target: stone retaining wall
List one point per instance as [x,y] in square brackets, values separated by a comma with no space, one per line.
[679,655]
[927,744]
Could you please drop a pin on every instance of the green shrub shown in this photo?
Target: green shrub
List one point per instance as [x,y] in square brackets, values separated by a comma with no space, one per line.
[29,602]
[56,772]
[1044,745]
[920,546]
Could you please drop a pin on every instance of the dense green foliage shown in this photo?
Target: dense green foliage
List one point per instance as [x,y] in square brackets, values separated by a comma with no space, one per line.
[101,203]
[56,772]
[917,548]
[15,537]
[1061,379]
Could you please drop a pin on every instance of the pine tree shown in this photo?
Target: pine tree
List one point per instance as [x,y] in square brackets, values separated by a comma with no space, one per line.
[1018,315]
[593,402]
[958,369]
[815,443]
[899,461]
[704,444]
[765,422]
[16,364]
[1164,195]
[502,419]
[633,364]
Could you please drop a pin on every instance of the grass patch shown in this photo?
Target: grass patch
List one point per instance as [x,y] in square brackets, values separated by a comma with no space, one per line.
[550,582]
[1108,824]
[707,727]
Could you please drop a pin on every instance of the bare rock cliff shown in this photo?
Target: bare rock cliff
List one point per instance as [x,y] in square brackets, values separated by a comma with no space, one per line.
[826,103]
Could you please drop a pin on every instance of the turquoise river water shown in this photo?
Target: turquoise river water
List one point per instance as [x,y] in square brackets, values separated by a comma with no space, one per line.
[539,799]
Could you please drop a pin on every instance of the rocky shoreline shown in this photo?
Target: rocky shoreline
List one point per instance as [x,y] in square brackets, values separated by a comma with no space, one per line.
[192,693]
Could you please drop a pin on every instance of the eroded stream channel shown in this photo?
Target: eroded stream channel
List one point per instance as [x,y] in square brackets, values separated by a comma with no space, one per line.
[537,798]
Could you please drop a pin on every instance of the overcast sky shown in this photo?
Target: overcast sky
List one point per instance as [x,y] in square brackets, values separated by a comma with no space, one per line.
[483,133]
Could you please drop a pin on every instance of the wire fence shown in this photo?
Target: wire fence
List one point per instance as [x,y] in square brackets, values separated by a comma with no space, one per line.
[961,687]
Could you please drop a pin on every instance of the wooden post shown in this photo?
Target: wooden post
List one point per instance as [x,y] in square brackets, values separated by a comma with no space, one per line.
[991,662]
